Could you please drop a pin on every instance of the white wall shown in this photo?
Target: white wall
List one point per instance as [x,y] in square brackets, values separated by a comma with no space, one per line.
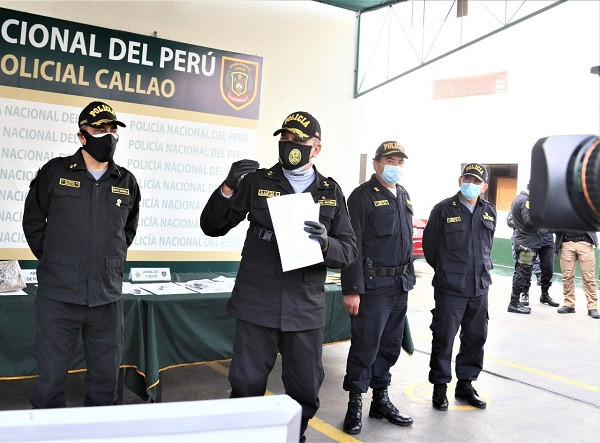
[550,92]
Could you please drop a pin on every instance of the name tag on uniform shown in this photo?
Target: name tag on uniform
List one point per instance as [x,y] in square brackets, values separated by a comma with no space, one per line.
[268,193]
[122,191]
[328,202]
[486,216]
[69,183]
[452,219]
[381,203]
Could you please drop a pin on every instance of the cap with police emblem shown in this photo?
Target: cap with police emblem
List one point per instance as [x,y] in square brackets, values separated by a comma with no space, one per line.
[303,125]
[389,148]
[476,170]
[98,114]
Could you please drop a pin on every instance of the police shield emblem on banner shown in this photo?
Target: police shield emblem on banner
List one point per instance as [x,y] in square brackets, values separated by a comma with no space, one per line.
[239,82]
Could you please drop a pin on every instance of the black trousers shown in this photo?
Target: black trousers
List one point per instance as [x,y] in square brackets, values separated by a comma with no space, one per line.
[255,352]
[376,342]
[58,328]
[450,313]
[522,275]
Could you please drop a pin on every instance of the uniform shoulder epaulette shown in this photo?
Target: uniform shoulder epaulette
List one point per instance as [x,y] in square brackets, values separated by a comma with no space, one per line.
[122,168]
[327,182]
[267,172]
[54,160]
[332,180]
[51,162]
[452,201]
[489,203]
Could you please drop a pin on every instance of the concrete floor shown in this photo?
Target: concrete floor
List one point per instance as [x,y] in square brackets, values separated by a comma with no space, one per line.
[541,378]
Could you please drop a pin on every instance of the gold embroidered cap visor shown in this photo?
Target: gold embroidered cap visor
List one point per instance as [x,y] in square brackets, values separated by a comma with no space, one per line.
[389,148]
[476,170]
[303,125]
[98,114]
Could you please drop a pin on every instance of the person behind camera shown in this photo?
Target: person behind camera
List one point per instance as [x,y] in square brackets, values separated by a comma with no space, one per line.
[530,242]
[80,216]
[280,311]
[376,286]
[578,247]
[457,243]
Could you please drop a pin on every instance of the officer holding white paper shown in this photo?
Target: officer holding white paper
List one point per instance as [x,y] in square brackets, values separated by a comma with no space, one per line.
[280,311]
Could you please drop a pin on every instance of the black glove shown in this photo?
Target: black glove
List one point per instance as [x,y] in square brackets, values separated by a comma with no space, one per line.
[317,231]
[237,171]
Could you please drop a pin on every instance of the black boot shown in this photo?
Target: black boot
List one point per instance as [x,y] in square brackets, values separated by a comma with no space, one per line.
[382,407]
[466,392]
[525,298]
[439,399]
[545,298]
[352,421]
[516,306]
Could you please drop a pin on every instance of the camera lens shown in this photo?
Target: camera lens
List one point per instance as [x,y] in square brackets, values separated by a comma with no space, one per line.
[590,176]
[565,183]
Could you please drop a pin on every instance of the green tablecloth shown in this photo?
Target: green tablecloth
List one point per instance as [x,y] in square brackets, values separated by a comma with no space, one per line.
[161,332]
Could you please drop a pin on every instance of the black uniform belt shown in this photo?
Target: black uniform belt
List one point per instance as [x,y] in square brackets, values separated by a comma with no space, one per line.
[584,238]
[262,233]
[390,271]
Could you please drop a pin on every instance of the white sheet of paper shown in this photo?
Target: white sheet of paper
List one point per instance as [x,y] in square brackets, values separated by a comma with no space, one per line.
[288,213]
[168,288]
[129,288]
[206,286]
[15,292]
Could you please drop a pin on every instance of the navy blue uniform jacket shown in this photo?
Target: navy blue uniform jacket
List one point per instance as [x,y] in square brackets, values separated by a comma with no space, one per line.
[459,251]
[526,233]
[263,294]
[383,226]
[80,229]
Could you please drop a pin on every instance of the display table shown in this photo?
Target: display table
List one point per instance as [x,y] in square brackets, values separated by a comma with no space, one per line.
[161,332]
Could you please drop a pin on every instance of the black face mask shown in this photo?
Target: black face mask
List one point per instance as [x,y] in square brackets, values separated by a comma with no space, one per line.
[101,148]
[293,156]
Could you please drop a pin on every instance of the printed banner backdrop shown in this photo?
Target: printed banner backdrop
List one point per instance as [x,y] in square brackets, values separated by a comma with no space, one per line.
[190,112]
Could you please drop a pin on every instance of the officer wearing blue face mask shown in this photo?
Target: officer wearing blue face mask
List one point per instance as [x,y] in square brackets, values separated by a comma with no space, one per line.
[376,286]
[457,243]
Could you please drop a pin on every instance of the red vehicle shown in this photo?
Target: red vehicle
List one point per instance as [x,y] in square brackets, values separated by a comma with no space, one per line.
[418,226]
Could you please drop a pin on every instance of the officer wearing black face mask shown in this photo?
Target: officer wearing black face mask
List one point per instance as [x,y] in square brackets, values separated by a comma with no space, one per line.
[280,311]
[80,217]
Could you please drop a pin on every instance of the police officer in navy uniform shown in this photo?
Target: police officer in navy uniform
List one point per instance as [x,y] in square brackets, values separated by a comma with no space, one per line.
[80,217]
[376,286]
[457,243]
[530,242]
[280,311]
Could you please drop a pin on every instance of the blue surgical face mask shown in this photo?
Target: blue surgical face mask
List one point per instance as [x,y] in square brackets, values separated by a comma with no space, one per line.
[392,174]
[470,190]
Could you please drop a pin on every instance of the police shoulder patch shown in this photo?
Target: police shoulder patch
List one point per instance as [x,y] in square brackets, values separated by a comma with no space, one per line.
[486,216]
